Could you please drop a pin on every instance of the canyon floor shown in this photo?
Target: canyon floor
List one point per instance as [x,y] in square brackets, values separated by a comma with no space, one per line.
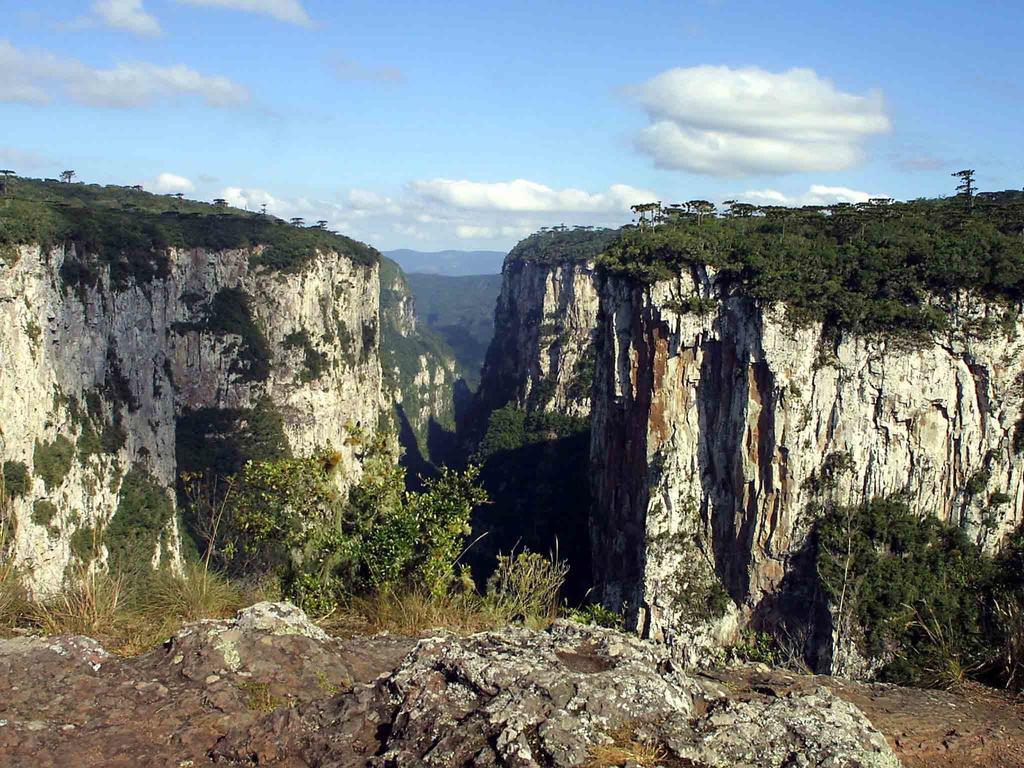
[270,688]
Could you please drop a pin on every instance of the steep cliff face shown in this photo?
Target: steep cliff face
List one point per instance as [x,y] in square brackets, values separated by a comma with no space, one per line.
[421,375]
[717,424]
[542,356]
[111,385]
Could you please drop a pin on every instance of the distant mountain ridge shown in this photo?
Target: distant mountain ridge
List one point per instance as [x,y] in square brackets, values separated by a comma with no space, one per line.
[453,263]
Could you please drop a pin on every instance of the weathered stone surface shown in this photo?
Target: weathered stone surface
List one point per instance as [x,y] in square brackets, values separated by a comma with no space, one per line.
[543,352]
[84,357]
[711,431]
[266,688]
[421,375]
[524,698]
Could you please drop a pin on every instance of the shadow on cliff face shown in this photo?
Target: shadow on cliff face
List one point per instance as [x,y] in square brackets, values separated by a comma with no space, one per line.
[796,614]
[540,501]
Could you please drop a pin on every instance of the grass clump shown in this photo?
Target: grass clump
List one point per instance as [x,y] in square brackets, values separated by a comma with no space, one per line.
[526,587]
[626,749]
[596,615]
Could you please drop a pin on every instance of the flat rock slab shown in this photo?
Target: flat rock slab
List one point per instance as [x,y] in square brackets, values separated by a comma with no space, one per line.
[269,688]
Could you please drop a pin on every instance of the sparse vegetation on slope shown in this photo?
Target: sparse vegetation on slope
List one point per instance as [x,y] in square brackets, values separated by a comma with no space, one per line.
[872,268]
[128,231]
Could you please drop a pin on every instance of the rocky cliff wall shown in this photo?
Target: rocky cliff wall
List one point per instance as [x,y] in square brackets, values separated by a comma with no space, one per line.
[542,355]
[421,376]
[717,426]
[110,387]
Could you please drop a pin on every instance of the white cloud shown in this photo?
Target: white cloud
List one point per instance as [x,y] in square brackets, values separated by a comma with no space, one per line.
[523,195]
[128,15]
[34,76]
[818,194]
[290,11]
[735,122]
[171,182]
[436,212]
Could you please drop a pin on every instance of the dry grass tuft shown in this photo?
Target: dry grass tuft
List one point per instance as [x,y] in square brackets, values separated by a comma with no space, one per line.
[412,612]
[626,749]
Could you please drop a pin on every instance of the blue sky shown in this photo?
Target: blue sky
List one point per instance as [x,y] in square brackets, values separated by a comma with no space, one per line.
[467,125]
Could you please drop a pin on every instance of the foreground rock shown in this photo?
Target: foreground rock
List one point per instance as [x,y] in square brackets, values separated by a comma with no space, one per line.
[270,688]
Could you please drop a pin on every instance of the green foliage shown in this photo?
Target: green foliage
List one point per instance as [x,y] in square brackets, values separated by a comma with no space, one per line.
[230,312]
[758,647]
[919,589]
[509,428]
[111,437]
[43,512]
[314,362]
[595,614]
[560,245]
[17,479]
[143,511]
[84,543]
[52,461]
[286,518]
[218,441]
[127,232]
[864,269]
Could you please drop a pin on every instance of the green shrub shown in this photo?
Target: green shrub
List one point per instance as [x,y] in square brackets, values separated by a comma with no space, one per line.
[52,461]
[144,510]
[758,647]
[597,615]
[314,362]
[17,480]
[43,512]
[913,586]
[285,518]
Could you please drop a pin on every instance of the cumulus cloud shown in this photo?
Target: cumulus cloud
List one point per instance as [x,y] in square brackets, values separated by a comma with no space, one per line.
[735,122]
[166,183]
[128,15]
[438,211]
[523,195]
[34,77]
[290,11]
[818,194]
[347,69]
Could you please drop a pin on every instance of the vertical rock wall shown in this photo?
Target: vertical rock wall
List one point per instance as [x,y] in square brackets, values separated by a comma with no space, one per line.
[94,381]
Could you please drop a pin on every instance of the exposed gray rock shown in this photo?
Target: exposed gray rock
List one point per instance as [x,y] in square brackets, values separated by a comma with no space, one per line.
[131,358]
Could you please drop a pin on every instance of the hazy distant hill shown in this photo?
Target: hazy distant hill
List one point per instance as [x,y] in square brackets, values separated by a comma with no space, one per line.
[461,311]
[458,263]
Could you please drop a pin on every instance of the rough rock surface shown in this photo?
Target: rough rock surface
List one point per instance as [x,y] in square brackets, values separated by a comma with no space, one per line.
[269,688]
[123,361]
[421,375]
[712,434]
[542,355]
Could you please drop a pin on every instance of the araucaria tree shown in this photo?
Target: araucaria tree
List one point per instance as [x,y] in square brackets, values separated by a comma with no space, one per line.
[966,186]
